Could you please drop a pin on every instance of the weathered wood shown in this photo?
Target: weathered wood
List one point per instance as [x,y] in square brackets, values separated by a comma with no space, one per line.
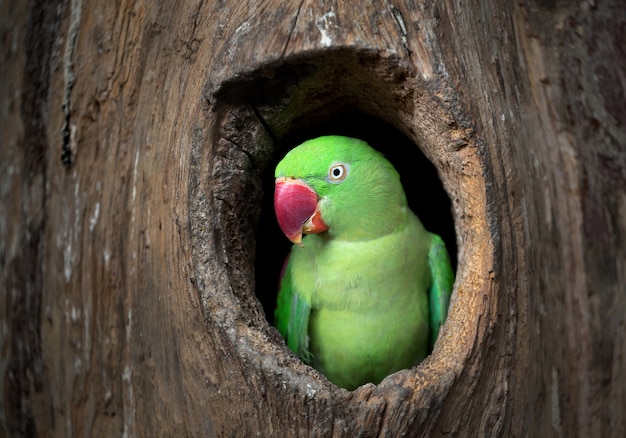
[138,142]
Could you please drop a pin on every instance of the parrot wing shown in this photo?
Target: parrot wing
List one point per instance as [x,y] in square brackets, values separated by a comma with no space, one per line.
[292,316]
[441,287]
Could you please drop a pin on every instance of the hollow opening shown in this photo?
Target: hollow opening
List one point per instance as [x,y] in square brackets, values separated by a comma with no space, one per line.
[424,190]
[259,116]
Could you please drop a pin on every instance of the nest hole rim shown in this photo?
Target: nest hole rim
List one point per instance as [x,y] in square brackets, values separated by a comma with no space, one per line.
[464,239]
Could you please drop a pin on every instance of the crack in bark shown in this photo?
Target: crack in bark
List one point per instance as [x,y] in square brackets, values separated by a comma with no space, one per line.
[265,125]
[399,19]
[293,26]
[68,148]
[242,150]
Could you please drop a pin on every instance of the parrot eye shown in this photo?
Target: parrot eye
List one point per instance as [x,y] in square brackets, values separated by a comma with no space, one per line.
[337,172]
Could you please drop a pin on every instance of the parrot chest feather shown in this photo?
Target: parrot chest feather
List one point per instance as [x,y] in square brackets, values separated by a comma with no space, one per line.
[369,303]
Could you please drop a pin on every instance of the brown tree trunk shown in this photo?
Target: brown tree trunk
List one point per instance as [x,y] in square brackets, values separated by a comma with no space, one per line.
[137,243]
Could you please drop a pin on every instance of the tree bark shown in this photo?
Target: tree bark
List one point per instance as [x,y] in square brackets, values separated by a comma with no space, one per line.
[137,243]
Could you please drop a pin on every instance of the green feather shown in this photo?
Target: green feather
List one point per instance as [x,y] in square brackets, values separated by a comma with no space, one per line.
[292,317]
[441,287]
[354,300]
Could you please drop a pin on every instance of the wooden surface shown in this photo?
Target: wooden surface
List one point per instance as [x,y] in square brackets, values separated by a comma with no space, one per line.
[138,142]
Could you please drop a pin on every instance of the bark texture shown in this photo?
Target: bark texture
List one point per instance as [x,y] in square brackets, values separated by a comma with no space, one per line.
[137,244]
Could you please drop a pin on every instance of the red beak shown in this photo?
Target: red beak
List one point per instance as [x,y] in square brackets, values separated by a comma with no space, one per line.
[297,209]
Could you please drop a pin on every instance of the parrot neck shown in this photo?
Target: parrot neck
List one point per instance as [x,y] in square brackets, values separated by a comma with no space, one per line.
[369,223]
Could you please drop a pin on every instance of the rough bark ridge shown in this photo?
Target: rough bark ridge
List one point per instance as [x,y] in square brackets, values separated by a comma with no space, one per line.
[138,139]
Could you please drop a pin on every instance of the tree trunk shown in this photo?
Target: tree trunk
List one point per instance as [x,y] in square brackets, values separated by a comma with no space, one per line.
[138,248]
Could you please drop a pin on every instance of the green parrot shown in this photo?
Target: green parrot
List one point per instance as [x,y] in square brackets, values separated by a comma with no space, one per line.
[365,292]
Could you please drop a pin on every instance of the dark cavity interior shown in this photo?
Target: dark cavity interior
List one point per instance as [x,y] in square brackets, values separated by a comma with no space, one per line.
[424,190]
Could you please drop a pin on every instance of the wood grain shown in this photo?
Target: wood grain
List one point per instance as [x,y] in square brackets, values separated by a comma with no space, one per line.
[138,141]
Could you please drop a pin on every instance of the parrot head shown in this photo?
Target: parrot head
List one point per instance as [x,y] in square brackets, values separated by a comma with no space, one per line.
[340,186]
